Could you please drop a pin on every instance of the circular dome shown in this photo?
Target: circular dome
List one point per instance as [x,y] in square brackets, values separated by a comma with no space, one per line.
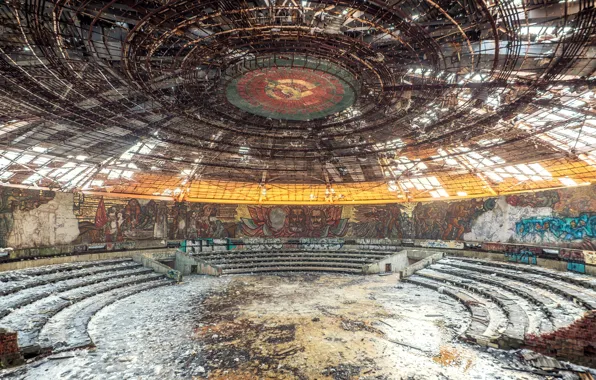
[299,94]
[293,93]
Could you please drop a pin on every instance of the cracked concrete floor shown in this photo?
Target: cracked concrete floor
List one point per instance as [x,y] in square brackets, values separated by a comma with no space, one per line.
[310,326]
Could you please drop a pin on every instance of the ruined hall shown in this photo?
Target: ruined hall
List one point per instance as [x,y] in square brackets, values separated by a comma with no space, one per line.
[297,190]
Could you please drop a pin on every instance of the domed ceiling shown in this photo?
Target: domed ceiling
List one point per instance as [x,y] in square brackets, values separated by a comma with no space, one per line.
[297,101]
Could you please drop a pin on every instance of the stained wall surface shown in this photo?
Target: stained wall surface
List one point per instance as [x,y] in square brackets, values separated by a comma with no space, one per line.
[34,218]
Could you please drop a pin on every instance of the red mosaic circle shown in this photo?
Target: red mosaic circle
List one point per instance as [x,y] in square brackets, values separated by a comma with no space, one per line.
[290,93]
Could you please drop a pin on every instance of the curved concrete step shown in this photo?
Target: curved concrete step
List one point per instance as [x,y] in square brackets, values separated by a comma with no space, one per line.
[25,297]
[332,257]
[229,254]
[292,263]
[579,279]
[518,320]
[481,329]
[291,268]
[49,269]
[224,263]
[573,292]
[29,320]
[560,311]
[67,329]
[33,281]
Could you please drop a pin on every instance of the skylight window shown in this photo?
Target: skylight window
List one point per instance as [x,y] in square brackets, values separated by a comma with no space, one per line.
[142,147]
[425,184]
[36,176]
[39,149]
[403,164]
[568,182]
[523,172]
[392,144]
[6,175]
[25,159]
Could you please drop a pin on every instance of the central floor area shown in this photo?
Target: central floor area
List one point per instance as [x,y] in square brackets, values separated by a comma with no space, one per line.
[286,326]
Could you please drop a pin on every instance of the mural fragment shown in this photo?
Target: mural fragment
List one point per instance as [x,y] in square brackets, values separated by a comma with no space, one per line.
[382,221]
[547,198]
[294,221]
[117,220]
[448,220]
[558,218]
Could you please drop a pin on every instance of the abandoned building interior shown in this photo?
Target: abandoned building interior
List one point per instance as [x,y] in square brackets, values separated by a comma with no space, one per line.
[288,189]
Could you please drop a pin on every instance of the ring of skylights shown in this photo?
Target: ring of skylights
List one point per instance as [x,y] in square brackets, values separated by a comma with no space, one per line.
[491,91]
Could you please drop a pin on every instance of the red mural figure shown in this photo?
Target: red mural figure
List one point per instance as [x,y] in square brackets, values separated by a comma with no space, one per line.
[540,199]
[457,218]
[382,221]
[294,221]
[448,220]
[199,220]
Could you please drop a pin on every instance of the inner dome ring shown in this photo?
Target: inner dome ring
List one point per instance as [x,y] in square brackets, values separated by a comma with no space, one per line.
[287,90]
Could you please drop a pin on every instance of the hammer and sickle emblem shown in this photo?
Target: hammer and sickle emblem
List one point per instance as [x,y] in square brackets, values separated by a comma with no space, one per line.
[291,89]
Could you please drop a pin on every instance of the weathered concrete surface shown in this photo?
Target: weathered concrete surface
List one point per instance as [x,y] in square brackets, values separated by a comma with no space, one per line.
[75,258]
[498,224]
[398,262]
[147,261]
[185,263]
[419,254]
[546,263]
[299,326]
[47,225]
[421,264]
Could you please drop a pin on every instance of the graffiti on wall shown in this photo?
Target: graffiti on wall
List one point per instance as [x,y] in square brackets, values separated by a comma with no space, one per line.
[325,244]
[294,221]
[442,244]
[558,228]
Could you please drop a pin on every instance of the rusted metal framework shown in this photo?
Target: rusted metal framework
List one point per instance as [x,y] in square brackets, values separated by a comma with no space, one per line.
[454,98]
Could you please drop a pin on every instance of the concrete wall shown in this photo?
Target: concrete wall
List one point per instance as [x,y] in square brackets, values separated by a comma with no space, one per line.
[398,262]
[185,264]
[419,254]
[157,267]
[421,264]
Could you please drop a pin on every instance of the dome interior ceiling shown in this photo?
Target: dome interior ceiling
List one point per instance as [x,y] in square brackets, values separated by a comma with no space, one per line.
[298,101]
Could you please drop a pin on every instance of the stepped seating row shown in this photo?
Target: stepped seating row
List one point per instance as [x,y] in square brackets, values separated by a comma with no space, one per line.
[573,278]
[581,294]
[22,281]
[531,302]
[232,262]
[478,330]
[245,253]
[50,307]
[49,269]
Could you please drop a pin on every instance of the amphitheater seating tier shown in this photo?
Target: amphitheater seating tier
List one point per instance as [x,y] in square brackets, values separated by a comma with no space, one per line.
[51,306]
[533,300]
[235,262]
